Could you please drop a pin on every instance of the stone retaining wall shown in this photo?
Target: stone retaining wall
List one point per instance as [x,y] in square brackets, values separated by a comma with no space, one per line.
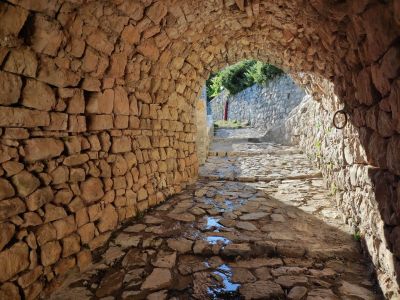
[202,131]
[357,186]
[260,106]
[85,144]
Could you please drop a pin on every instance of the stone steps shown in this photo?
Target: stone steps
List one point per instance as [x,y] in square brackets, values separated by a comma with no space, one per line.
[270,233]
[315,175]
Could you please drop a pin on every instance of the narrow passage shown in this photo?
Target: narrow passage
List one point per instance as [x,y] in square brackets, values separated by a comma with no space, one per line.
[258,224]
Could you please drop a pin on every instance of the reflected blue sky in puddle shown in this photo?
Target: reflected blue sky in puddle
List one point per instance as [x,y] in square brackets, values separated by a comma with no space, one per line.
[215,239]
[226,289]
[212,223]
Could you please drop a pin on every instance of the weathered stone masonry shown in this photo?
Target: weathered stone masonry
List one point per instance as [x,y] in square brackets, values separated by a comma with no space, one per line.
[261,106]
[340,156]
[97,102]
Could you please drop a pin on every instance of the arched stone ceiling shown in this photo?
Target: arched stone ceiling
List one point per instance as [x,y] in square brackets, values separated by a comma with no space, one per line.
[97,101]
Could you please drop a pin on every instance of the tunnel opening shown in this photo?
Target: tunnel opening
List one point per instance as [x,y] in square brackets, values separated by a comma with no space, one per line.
[97,117]
[237,155]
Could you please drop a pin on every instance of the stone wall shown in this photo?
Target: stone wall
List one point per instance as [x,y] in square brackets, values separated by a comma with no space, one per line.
[261,106]
[202,131]
[340,156]
[85,143]
[98,98]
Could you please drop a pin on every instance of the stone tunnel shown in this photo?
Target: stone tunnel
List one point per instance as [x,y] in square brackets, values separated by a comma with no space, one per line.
[97,115]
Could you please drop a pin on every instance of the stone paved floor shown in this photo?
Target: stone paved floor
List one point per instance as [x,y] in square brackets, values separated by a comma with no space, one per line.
[246,132]
[258,226]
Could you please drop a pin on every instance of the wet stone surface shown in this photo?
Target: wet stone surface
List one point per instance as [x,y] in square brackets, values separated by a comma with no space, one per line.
[281,238]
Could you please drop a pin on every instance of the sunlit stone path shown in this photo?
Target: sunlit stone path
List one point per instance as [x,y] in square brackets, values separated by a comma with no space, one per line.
[258,224]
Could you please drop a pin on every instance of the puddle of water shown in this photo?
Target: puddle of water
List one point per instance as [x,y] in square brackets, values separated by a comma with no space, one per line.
[227,289]
[229,204]
[215,239]
[212,223]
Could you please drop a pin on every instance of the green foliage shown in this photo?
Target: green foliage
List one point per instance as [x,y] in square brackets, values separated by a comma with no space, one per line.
[234,78]
[357,236]
[240,76]
[214,85]
[261,73]
[140,215]
[317,145]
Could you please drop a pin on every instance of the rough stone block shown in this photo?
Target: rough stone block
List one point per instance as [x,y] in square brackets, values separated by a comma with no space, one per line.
[109,219]
[38,95]
[50,253]
[39,198]
[101,103]
[130,35]
[121,144]
[76,104]
[149,50]
[58,122]
[157,12]
[84,260]
[16,133]
[71,245]
[118,63]
[22,61]
[76,123]
[53,213]
[64,265]
[60,175]
[45,233]
[7,231]
[13,261]
[91,84]
[30,277]
[47,36]
[6,189]
[21,117]
[76,160]
[121,122]
[10,88]
[99,41]
[121,101]
[42,148]
[25,183]
[365,93]
[393,158]
[77,47]
[33,291]
[44,6]
[65,226]
[12,18]
[100,122]
[50,73]
[87,232]
[92,190]
[99,241]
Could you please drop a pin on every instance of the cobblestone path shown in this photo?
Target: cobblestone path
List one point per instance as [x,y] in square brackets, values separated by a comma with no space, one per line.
[258,224]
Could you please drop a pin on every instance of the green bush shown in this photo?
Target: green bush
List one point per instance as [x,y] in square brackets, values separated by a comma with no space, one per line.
[240,76]
[261,73]
[235,78]
[214,85]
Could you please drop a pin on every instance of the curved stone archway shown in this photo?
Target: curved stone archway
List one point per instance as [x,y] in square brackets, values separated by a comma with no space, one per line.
[97,102]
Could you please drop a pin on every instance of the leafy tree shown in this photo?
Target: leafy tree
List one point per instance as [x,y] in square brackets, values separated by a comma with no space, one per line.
[235,77]
[261,73]
[214,85]
[240,76]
